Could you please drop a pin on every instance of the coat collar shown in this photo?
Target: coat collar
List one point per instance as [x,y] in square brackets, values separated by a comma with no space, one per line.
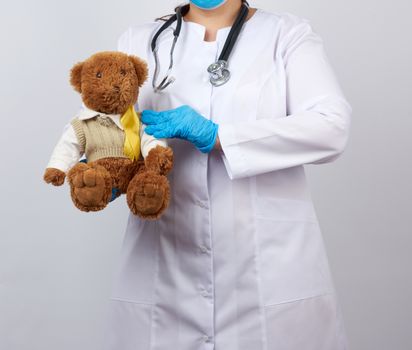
[87,113]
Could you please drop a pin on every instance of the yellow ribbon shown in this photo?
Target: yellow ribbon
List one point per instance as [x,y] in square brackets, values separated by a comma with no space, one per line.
[131,127]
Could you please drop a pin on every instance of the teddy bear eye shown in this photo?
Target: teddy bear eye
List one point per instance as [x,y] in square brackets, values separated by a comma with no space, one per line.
[99,74]
[122,71]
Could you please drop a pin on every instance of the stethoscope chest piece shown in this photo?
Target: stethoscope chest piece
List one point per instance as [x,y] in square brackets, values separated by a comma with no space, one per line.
[219,73]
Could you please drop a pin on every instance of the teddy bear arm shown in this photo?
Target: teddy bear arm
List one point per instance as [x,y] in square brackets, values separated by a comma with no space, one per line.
[54,176]
[158,156]
[66,154]
[159,160]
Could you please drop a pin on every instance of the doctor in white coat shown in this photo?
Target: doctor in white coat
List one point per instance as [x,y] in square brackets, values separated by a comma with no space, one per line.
[237,261]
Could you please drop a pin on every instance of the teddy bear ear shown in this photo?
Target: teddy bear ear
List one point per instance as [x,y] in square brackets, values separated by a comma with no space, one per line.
[76,76]
[141,68]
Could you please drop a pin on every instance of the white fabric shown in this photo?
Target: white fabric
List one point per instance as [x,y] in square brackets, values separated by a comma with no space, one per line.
[237,261]
[67,151]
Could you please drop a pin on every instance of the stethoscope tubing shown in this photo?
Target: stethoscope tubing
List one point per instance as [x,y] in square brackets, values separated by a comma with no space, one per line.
[223,57]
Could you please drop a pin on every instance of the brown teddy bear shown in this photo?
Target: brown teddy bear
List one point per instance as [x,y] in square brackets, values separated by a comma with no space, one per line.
[121,158]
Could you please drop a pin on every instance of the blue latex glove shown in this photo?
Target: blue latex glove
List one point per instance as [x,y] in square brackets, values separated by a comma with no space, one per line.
[184,123]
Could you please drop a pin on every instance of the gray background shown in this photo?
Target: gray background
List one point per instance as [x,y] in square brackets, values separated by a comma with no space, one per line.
[57,264]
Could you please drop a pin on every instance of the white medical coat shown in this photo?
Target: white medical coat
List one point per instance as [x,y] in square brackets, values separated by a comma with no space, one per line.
[237,262]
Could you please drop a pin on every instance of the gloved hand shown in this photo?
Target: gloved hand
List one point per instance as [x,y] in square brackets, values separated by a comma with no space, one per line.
[184,123]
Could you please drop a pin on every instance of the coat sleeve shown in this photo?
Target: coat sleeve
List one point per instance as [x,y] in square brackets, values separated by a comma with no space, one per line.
[316,126]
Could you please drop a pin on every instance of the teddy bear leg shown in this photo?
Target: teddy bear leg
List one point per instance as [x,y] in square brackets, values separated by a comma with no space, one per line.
[148,194]
[90,186]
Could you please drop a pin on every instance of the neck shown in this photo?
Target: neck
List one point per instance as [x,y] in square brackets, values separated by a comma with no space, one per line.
[222,16]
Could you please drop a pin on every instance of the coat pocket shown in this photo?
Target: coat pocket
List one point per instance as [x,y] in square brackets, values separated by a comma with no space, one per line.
[292,257]
[127,326]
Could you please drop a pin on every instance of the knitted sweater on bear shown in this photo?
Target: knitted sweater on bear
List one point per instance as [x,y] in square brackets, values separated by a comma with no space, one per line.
[99,137]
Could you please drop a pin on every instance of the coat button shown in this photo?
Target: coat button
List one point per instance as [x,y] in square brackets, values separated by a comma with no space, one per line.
[203,292]
[202,204]
[206,338]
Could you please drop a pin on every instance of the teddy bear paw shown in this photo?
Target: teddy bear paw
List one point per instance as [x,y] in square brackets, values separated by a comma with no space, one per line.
[54,176]
[90,186]
[148,195]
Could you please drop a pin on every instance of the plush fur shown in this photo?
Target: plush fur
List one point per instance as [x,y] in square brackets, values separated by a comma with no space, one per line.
[109,82]
[148,194]
[160,160]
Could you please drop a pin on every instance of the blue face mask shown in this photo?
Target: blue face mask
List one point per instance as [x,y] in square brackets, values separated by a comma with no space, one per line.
[208,4]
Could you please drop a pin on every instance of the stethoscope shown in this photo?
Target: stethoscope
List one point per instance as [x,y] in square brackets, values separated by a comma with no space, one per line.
[219,71]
